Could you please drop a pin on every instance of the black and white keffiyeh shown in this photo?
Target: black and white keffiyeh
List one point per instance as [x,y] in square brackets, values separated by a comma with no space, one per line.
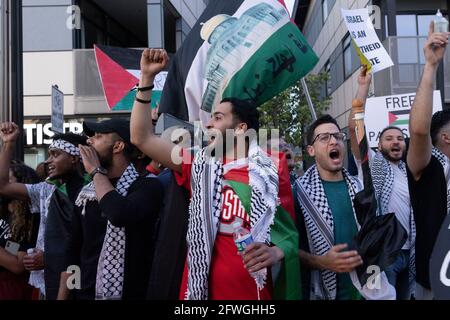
[445,162]
[206,205]
[320,226]
[65,146]
[111,264]
[383,182]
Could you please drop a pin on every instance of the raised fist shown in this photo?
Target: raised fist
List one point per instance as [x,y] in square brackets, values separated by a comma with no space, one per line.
[153,61]
[9,131]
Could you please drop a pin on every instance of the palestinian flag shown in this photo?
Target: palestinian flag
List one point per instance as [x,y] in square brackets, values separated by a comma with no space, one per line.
[398,118]
[244,49]
[283,233]
[119,70]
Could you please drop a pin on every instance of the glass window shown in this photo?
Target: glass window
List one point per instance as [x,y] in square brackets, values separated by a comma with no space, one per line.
[325,10]
[347,57]
[406,25]
[423,23]
[407,50]
[327,69]
[386,25]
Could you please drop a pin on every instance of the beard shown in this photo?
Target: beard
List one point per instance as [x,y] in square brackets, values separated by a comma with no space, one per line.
[388,157]
[107,158]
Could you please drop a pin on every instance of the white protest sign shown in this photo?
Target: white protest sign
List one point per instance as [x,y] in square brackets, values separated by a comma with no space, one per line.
[391,111]
[363,33]
[57,110]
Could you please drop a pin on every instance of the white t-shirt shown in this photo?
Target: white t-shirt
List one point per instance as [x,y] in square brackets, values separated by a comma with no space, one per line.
[400,202]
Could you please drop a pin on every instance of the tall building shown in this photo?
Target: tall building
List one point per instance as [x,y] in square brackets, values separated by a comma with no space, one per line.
[58,40]
[403,27]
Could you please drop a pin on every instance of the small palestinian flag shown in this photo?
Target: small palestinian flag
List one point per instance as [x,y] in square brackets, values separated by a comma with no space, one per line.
[398,118]
[119,70]
[249,50]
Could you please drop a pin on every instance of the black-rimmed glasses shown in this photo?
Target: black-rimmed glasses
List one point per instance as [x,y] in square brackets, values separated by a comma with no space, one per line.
[326,136]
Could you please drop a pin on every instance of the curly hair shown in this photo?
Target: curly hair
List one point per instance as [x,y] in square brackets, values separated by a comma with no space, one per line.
[21,217]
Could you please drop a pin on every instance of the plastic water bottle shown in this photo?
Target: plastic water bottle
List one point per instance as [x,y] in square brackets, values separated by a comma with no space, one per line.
[243,238]
[440,23]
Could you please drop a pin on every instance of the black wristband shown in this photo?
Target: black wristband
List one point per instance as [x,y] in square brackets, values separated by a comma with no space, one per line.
[145,88]
[142,101]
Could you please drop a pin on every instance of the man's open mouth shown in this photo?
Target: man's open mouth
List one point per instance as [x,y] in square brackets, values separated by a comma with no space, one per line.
[334,154]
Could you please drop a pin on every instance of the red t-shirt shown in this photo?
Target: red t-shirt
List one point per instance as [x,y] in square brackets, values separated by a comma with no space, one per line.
[228,278]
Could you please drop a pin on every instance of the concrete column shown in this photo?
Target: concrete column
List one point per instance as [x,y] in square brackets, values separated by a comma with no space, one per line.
[155,23]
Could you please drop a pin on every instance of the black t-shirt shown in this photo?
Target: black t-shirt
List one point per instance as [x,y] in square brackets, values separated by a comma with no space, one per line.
[5,236]
[429,202]
[137,212]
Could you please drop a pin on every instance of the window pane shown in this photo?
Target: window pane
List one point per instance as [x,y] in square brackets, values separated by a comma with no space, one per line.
[407,50]
[347,41]
[424,24]
[386,25]
[347,61]
[406,25]
[324,10]
[421,45]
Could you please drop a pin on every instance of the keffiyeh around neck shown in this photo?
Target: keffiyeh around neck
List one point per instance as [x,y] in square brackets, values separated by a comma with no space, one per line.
[111,264]
[445,162]
[383,182]
[206,205]
[319,224]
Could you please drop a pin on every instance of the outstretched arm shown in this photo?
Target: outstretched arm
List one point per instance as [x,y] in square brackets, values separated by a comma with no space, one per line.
[420,146]
[142,133]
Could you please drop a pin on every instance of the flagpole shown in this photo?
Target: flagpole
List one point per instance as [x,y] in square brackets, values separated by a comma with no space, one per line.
[308,99]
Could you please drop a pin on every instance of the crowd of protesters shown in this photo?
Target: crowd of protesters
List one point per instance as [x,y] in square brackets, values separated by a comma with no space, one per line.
[121,213]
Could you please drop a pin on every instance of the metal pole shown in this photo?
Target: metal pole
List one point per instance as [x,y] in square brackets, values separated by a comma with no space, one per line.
[17,71]
[4,61]
[308,99]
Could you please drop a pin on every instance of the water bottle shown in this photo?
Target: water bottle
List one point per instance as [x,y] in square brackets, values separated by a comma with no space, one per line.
[243,238]
[440,23]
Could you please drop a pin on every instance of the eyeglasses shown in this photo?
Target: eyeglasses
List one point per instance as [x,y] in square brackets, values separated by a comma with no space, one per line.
[326,136]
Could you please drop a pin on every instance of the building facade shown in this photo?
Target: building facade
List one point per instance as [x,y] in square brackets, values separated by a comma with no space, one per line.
[403,28]
[58,40]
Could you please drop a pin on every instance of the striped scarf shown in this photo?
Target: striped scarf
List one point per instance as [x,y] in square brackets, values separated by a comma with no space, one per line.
[206,206]
[445,162]
[320,226]
[383,181]
[111,264]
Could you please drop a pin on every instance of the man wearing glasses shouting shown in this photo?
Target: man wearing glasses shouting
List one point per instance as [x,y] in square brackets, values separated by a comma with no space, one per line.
[325,193]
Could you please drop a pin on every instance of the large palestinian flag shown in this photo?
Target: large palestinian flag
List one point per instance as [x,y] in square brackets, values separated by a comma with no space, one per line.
[244,49]
[119,70]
